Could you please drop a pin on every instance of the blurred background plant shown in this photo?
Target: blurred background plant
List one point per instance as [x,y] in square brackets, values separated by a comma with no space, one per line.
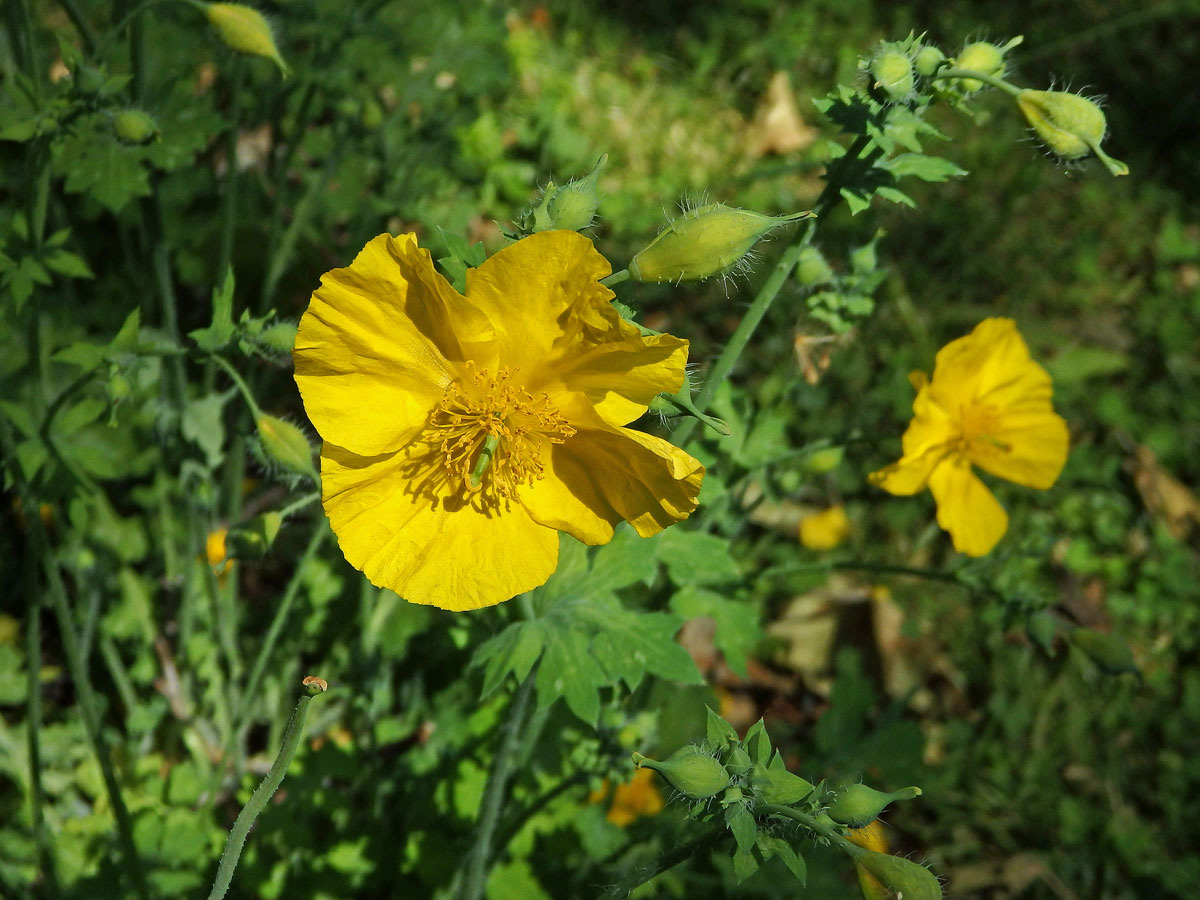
[164,535]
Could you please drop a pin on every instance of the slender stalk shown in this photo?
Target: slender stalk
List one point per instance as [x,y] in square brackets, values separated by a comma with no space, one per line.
[766,295]
[258,800]
[1010,89]
[479,857]
[239,383]
[125,19]
[86,34]
[668,860]
[808,822]
[615,278]
[229,200]
[513,824]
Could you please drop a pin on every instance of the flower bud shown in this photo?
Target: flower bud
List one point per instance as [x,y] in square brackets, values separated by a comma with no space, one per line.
[278,336]
[903,877]
[892,73]
[983,57]
[738,762]
[929,59]
[132,126]
[858,804]
[1108,651]
[244,28]
[252,538]
[812,269]
[1070,126]
[824,460]
[689,770]
[704,242]
[573,206]
[284,443]
[778,785]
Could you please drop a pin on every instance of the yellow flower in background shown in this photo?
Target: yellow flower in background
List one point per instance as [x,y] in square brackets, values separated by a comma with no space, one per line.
[214,548]
[640,796]
[825,530]
[987,405]
[462,433]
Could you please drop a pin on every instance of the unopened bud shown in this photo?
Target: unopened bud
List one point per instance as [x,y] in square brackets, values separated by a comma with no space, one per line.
[985,58]
[812,269]
[132,126]
[892,73]
[284,443]
[252,538]
[824,460]
[1070,126]
[929,60]
[858,804]
[573,206]
[703,242]
[902,877]
[279,336]
[689,770]
[243,28]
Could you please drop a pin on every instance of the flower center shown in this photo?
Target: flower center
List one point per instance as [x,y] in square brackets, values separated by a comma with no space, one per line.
[977,423]
[489,436]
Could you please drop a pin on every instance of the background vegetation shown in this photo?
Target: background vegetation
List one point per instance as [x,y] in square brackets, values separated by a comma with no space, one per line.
[1044,776]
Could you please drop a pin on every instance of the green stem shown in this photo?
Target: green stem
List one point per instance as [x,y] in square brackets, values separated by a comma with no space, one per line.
[240,384]
[513,825]
[854,565]
[665,861]
[808,822]
[830,196]
[477,863]
[1007,87]
[298,505]
[229,200]
[277,623]
[125,19]
[615,278]
[258,800]
[81,25]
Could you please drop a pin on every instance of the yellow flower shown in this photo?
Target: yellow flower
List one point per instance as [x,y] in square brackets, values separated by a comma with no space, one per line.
[825,530]
[988,405]
[214,548]
[638,797]
[462,433]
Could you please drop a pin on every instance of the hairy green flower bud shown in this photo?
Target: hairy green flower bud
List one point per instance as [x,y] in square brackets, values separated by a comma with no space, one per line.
[1108,651]
[243,28]
[983,57]
[738,762]
[132,126]
[1070,126]
[704,242]
[858,804]
[252,538]
[778,785]
[812,268]
[903,877]
[929,59]
[284,443]
[892,71]
[689,770]
[573,207]
[278,336]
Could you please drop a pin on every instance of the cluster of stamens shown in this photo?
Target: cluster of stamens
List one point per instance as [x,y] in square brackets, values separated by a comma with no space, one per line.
[975,421]
[489,436]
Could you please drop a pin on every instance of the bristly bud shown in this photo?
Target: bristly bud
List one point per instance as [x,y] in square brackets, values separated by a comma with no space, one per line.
[132,126]
[252,538]
[243,28]
[690,770]
[928,60]
[903,877]
[1070,126]
[983,57]
[284,443]
[892,73]
[703,242]
[573,206]
[858,804]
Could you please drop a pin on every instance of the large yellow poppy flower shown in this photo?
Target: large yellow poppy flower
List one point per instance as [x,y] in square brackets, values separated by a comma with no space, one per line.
[462,433]
[988,405]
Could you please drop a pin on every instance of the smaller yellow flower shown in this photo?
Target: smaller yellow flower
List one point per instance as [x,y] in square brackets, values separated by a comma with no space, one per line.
[214,549]
[630,801]
[825,530]
[987,405]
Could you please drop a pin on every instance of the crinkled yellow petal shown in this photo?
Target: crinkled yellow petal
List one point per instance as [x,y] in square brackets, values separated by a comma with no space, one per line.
[1035,443]
[910,474]
[966,508]
[430,549]
[379,343]
[603,474]
[539,293]
[991,363]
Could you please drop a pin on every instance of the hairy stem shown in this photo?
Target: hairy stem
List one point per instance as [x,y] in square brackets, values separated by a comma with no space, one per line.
[668,860]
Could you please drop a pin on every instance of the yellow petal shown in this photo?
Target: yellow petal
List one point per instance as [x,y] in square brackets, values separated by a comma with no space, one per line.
[991,363]
[604,474]
[910,474]
[1035,443]
[430,550]
[826,529]
[378,345]
[539,293]
[966,508]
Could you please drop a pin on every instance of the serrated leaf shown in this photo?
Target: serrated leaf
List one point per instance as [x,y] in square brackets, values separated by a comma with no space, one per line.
[514,650]
[570,578]
[926,168]
[694,557]
[95,163]
[738,625]
[203,425]
[627,559]
[631,643]
[771,845]
[217,335]
[717,731]
[741,824]
[568,670]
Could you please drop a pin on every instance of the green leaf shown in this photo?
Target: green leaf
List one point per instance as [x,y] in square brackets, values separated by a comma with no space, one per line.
[926,168]
[741,823]
[718,732]
[758,743]
[771,845]
[203,425]
[462,256]
[69,264]
[95,163]
[631,643]
[694,557]
[514,650]
[744,864]
[218,334]
[625,560]
[738,627]
[569,671]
